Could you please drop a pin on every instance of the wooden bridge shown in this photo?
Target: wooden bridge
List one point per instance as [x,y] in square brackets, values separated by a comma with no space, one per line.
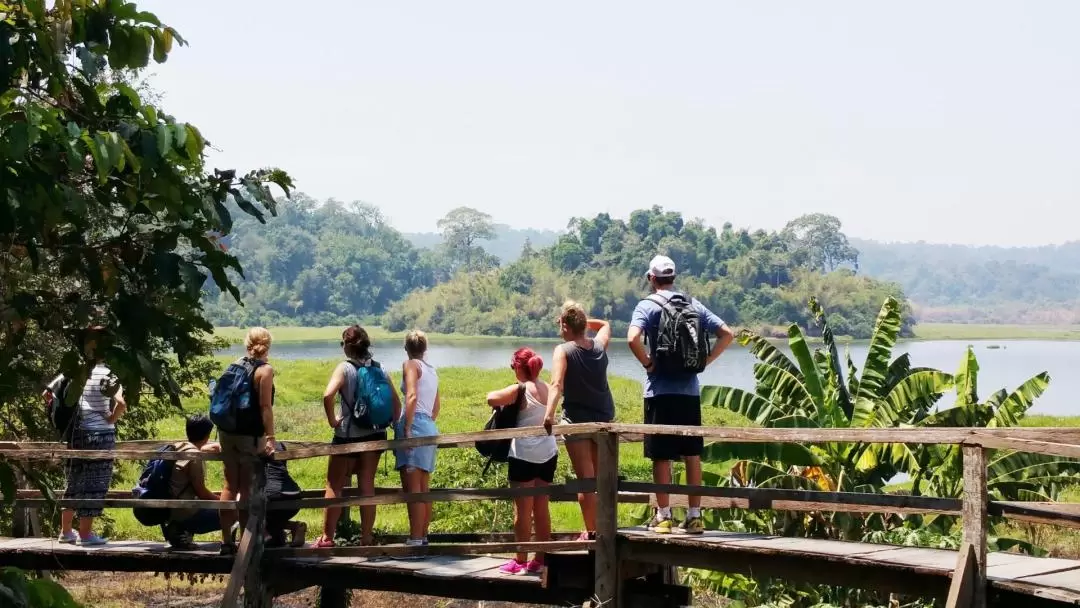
[625,567]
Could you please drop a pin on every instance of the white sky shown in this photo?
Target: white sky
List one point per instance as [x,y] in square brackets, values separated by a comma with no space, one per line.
[949,121]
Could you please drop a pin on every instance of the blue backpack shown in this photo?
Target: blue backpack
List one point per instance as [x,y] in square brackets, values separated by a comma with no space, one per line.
[374,407]
[154,485]
[230,396]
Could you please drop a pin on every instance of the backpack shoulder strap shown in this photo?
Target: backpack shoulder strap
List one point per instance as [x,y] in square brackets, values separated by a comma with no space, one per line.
[520,395]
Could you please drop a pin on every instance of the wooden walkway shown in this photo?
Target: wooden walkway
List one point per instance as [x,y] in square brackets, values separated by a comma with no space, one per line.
[882,567]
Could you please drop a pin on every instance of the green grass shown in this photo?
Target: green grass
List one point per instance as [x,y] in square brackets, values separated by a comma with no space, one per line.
[286,334]
[299,416]
[986,331]
[1043,420]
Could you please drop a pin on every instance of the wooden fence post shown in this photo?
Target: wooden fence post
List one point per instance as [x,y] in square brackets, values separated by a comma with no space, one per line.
[975,518]
[606,571]
[247,566]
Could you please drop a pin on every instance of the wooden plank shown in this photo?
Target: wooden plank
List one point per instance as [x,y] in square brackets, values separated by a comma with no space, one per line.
[820,547]
[129,503]
[975,518]
[1067,580]
[606,572]
[447,440]
[453,549]
[1026,566]
[1026,445]
[1058,514]
[245,572]
[765,498]
[941,560]
[463,567]
[438,495]
[962,588]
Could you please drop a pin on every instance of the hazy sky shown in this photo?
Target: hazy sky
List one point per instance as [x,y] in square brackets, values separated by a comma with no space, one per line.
[941,121]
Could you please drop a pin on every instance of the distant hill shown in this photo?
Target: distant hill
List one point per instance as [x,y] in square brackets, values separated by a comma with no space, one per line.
[981,284]
[506,245]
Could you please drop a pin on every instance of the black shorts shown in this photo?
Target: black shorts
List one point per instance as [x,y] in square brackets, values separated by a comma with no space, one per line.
[683,410]
[523,471]
[375,436]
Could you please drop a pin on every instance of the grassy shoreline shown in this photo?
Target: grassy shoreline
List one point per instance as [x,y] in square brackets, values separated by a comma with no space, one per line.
[923,331]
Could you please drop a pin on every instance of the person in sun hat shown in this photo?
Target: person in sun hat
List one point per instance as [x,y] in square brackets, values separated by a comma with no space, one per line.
[676,330]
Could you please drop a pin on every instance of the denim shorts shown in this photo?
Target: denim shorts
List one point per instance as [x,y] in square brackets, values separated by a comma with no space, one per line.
[422,457]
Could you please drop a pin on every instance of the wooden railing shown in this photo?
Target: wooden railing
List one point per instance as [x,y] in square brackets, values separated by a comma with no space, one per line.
[969,580]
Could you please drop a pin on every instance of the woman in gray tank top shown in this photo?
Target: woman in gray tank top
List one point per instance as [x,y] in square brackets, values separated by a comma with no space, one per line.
[579,376]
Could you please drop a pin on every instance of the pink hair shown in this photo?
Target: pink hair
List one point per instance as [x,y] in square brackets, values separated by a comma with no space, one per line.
[527,361]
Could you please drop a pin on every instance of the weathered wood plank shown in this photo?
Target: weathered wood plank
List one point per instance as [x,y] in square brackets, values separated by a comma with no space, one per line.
[962,588]
[1058,514]
[437,495]
[464,567]
[1035,446]
[452,549]
[766,498]
[606,572]
[975,521]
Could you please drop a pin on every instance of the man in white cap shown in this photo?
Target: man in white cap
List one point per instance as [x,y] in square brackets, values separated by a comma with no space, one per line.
[676,329]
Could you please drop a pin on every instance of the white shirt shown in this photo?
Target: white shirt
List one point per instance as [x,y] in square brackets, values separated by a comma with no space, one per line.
[427,387]
[95,406]
[537,450]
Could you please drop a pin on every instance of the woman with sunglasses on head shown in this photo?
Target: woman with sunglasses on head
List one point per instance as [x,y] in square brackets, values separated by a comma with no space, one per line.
[347,430]
[532,459]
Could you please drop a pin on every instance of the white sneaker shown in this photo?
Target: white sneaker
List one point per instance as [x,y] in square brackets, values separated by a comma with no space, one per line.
[68,538]
[93,541]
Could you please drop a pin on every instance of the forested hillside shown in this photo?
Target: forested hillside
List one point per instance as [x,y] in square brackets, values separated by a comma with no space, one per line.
[981,284]
[331,263]
[754,278]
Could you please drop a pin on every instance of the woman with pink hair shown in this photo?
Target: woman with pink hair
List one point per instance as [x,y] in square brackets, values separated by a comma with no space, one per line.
[532,459]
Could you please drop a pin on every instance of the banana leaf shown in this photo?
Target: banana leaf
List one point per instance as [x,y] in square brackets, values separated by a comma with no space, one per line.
[811,380]
[786,454]
[966,380]
[765,352]
[786,390]
[875,370]
[746,404]
[844,398]
[1009,411]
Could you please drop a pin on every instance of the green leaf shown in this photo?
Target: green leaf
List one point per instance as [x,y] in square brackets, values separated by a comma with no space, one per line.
[875,370]
[139,53]
[119,48]
[788,454]
[73,130]
[764,350]
[180,134]
[843,396]
[246,206]
[967,379]
[193,143]
[163,41]
[810,378]
[739,401]
[783,388]
[1012,409]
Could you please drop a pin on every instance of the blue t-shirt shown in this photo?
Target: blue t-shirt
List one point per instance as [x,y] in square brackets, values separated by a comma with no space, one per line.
[647,317]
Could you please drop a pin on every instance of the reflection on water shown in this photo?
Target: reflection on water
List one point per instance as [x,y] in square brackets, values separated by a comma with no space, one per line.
[1003,364]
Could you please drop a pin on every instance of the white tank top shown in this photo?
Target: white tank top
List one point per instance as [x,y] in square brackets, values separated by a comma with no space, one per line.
[536,450]
[427,386]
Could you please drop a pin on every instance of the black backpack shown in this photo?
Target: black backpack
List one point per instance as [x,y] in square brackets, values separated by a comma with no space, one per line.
[498,450]
[61,414]
[682,346]
[154,484]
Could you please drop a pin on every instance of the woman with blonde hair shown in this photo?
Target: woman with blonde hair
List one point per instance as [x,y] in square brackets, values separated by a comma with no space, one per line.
[347,429]
[579,377]
[532,460]
[420,385]
[253,436]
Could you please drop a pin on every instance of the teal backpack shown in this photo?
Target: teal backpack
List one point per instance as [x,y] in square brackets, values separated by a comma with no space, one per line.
[374,407]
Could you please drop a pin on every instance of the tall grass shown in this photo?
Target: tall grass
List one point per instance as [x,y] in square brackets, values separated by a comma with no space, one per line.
[298,413]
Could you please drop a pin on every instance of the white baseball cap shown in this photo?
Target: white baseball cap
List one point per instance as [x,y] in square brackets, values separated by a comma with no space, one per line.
[661,266]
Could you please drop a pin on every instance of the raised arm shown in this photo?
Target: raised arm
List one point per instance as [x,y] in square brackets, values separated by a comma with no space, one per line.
[602,329]
[555,389]
[119,406]
[503,397]
[724,337]
[337,381]
[412,380]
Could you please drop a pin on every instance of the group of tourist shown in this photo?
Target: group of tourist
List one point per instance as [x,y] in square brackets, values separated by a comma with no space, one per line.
[578,381]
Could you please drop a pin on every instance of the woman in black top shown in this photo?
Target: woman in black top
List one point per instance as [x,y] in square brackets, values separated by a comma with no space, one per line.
[579,376]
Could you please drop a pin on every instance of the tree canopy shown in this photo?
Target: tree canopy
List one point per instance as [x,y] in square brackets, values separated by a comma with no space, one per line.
[110,216]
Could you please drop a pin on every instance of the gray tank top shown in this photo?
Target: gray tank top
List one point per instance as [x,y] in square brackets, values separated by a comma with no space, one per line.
[586,395]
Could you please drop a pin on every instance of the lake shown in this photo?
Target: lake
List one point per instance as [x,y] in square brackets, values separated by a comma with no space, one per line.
[1003,364]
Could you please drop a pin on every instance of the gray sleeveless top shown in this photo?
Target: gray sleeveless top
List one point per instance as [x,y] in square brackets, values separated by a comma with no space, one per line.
[586,395]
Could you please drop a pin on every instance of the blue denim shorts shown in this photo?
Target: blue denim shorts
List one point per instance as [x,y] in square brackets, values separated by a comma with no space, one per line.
[423,457]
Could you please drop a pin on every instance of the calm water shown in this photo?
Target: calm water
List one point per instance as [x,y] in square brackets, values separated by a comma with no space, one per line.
[1003,367]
